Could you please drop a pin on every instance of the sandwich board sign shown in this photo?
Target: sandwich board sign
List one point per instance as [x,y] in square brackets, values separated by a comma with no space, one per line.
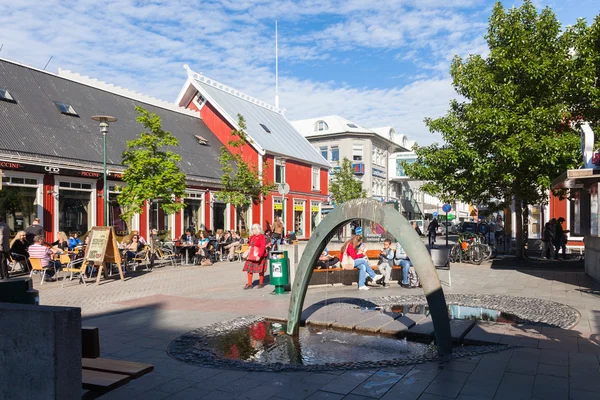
[103,248]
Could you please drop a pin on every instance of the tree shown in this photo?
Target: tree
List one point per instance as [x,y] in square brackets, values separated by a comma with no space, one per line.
[344,186]
[511,135]
[152,171]
[242,184]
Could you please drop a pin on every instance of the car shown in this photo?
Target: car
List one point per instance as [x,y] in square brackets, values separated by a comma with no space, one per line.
[450,226]
[420,224]
[467,226]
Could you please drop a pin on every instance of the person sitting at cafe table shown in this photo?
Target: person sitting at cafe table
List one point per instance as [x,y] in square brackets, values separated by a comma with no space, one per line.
[45,254]
[74,241]
[18,248]
[62,244]
[188,241]
[236,243]
[202,253]
[134,247]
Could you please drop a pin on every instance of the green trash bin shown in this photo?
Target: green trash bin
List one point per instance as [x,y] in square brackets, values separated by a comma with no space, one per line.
[279,270]
[19,291]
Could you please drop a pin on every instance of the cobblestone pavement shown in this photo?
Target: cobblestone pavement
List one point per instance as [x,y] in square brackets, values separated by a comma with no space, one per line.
[138,319]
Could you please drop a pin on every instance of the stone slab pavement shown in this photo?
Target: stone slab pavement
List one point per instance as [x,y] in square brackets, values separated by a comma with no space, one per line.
[138,319]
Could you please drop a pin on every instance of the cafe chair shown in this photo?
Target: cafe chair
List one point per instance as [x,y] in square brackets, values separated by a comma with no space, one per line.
[74,267]
[36,266]
[239,252]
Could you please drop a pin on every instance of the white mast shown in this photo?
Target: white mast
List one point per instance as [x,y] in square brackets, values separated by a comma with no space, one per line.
[276,70]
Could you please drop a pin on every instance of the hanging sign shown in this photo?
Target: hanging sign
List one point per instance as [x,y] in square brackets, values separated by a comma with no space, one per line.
[277,206]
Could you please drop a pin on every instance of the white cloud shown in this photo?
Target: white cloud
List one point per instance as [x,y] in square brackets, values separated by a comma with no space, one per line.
[143,45]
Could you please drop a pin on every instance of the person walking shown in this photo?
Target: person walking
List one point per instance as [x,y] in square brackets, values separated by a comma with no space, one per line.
[547,238]
[4,249]
[432,231]
[560,239]
[350,249]
[33,230]
[256,260]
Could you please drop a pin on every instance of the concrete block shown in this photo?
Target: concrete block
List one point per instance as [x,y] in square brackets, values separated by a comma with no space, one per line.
[374,324]
[422,331]
[459,328]
[40,352]
[351,320]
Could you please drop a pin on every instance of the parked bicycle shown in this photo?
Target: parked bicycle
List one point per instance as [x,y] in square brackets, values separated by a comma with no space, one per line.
[467,248]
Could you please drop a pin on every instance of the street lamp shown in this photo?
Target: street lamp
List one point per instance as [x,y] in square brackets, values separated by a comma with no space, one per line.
[104,120]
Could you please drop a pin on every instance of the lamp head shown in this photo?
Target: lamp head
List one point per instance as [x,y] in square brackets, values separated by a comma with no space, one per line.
[103,128]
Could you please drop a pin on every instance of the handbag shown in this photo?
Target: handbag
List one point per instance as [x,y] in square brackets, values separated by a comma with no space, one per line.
[254,255]
[348,262]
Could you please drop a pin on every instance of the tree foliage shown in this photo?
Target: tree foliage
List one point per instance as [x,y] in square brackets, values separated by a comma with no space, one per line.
[242,183]
[510,134]
[152,171]
[344,186]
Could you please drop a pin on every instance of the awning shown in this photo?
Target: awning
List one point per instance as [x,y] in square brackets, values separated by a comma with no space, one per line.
[576,178]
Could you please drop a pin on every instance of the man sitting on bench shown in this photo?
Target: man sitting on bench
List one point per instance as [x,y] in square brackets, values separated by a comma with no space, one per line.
[326,260]
[386,257]
[401,259]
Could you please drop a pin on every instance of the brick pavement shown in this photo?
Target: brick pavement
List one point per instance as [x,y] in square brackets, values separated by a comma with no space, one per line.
[159,306]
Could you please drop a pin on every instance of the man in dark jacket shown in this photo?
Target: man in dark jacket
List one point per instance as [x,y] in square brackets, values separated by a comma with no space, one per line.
[33,230]
[4,248]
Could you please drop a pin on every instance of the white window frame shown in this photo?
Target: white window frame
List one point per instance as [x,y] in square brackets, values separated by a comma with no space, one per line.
[331,153]
[316,183]
[358,150]
[93,199]
[303,201]
[39,187]
[194,195]
[320,126]
[314,204]
[326,148]
[279,162]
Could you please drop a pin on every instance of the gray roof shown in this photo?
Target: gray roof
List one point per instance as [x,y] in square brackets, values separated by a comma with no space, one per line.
[35,128]
[283,139]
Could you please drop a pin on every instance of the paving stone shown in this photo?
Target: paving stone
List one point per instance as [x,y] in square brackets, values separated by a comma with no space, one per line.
[460,365]
[459,328]
[515,387]
[175,385]
[346,382]
[351,320]
[375,323]
[549,393]
[553,370]
[485,332]
[320,395]
[422,331]
[523,363]
[396,328]
[377,384]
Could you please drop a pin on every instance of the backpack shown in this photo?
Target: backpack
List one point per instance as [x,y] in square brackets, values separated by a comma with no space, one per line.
[413,278]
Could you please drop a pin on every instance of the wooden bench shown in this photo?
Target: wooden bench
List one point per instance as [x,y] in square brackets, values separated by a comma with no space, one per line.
[101,375]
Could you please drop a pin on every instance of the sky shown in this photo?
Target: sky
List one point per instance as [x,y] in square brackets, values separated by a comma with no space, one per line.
[377,63]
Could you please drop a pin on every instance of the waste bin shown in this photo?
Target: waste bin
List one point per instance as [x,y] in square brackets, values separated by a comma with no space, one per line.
[19,291]
[279,270]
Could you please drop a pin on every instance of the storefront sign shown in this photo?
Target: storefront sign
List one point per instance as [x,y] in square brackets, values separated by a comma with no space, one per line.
[378,173]
[314,208]
[278,206]
[52,170]
[11,165]
[298,208]
[86,174]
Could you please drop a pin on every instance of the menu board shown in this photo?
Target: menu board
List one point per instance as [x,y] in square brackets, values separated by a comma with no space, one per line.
[96,248]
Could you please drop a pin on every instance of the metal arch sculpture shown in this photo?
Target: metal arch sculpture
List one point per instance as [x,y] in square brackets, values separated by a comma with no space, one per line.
[400,228]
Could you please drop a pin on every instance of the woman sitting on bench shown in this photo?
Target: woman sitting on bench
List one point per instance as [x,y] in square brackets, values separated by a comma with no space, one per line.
[326,260]
[349,249]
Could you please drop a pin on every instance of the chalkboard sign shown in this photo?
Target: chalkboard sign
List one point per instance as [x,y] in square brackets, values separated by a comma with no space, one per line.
[102,248]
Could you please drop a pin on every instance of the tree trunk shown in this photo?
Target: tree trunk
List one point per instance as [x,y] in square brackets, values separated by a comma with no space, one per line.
[519,228]
[525,232]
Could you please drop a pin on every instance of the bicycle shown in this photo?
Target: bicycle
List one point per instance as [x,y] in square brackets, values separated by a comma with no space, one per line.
[467,249]
[431,237]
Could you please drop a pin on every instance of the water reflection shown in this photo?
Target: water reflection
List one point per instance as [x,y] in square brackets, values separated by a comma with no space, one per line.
[267,342]
[454,312]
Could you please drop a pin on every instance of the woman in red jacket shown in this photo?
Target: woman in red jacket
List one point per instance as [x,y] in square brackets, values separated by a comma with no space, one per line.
[256,241]
[350,249]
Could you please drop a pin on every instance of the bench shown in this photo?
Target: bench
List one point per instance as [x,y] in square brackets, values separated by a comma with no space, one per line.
[101,375]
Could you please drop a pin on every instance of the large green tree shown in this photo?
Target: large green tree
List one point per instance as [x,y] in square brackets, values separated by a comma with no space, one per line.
[344,186]
[242,182]
[152,170]
[510,133]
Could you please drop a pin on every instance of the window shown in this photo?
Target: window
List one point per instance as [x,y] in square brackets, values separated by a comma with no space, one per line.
[265,128]
[323,151]
[321,126]
[66,109]
[352,125]
[279,170]
[316,181]
[6,96]
[335,153]
[357,152]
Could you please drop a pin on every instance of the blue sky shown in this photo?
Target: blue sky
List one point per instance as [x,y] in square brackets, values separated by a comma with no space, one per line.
[377,63]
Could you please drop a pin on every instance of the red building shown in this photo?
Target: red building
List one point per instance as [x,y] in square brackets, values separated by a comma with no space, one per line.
[278,150]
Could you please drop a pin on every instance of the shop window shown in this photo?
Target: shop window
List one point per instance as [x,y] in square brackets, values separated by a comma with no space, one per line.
[192,213]
[75,211]
[114,215]
[277,208]
[219,216]
[18,205]
[316,180]
[314,215]
[159,219]
[299,217]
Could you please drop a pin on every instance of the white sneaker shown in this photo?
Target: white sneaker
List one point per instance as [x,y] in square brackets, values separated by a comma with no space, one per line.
[377,277]
[363,287]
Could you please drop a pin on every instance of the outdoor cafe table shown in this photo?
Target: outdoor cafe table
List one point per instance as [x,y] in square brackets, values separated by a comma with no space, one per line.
[179,247]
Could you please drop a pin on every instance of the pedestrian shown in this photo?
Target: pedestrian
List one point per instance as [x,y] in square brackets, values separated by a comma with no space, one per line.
[386,257]
[278,231]
[416,228]
[33,230]
[256,260]
[350,250]
[4,249]
[547,238]
[560,239]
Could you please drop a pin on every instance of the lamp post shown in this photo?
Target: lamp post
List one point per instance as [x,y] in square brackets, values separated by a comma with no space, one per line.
[104,120]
